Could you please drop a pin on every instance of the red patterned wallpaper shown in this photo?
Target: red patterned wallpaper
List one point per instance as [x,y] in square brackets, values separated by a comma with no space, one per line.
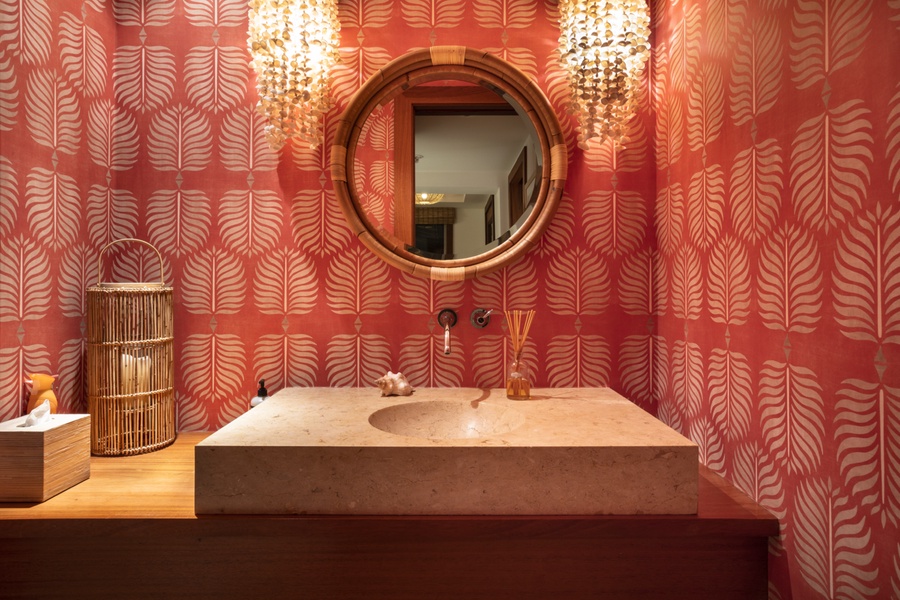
[734,269]
[777,214]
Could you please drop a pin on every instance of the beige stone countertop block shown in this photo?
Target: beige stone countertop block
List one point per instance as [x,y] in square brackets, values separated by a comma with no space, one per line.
[446,451]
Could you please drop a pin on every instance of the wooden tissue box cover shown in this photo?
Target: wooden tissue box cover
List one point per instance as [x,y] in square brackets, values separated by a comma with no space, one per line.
[36,463]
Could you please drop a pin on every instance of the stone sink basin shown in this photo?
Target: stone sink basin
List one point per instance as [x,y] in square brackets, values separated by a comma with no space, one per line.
[446,452]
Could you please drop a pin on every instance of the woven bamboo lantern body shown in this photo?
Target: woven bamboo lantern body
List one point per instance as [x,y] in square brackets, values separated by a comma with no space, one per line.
[130,366]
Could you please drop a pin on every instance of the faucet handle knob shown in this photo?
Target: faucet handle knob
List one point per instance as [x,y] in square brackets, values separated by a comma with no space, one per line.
[481,317]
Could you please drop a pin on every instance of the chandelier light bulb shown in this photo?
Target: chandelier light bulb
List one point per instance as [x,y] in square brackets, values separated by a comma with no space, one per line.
[604,46]
[293,45]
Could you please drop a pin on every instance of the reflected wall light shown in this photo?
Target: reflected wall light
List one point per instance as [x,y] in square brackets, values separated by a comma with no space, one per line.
[604,45]
[426,198]
[294,45]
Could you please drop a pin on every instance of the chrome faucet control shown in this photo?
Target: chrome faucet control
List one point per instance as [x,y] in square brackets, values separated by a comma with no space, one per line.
[447,319]
[480,317]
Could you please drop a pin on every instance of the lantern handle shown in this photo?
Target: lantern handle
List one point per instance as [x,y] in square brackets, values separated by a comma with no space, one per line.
[162,280]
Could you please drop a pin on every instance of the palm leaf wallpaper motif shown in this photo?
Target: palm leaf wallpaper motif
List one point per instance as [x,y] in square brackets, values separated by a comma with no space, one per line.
[826,37]
[26,30]
[867,433]
[757,181]
[867,277]
[732,268]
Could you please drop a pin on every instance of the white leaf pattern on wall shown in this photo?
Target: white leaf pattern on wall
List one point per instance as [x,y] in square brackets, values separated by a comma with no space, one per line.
[143,13]
[729,282]
[640,276]
[669,124]
[242,142]
[112,136]
[756,184]
[505,14]
[317,224]
[25,271]
[179,220]
[792,415]
[830,162]
[52,202]
[426,297]
[355,67]
[760,478]
[432,14]
[213,283]
[833,543]
[706,205]
[71,384]
[25,27]
[490,360]
[190,414]
[827,36]
[688,381]
[213,365]
[216,13]
[867,434]
[365,13]
[356,360]
[247,219]
[83,55]
[216,77]
[684,47]
[14,361]
[111,215]
[512,288]
[285,283]
[423,362]
[730,394]
[789,282]
[712,450]
[578,361]
[286,360]
[706,107]
[52,112]
[522,58]
[614,221]
[137,262]
[144,77]
[669,217]
[892,152]
[77,270]
[358,283]
[614,157]
[724,21]
[558,236]
[179,140]
[9,196]
[639,358]
[867,277]
[756,71]
[578,283]
[687,284]
[9,93]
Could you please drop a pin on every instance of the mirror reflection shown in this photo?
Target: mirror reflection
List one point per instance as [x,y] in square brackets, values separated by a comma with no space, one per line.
[449,169]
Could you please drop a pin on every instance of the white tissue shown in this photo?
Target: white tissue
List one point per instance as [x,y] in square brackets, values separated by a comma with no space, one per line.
[39,416]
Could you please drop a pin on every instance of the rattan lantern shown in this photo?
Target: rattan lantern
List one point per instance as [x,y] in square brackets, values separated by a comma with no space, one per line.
[130,364]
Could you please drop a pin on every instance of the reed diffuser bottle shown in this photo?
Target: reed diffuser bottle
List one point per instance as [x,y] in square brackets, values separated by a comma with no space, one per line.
[518,380]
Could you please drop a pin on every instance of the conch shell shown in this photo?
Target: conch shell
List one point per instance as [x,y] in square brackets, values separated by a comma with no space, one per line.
[394,384]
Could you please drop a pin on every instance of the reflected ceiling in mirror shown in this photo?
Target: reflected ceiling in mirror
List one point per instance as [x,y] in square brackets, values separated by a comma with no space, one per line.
[463,125]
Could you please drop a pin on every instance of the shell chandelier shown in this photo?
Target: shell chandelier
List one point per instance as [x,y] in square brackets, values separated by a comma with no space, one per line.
[294,45]
[604,45]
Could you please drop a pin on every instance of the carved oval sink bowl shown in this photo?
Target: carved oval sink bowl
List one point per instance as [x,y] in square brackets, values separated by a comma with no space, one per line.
[446,420]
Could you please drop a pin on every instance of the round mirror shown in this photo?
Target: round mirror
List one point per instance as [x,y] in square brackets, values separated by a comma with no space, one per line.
[449,163]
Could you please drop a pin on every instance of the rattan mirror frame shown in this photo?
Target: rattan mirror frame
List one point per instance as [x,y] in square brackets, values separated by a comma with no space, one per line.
[432,64]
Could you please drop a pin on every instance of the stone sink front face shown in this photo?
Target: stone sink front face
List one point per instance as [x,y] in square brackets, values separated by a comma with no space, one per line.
[348,451]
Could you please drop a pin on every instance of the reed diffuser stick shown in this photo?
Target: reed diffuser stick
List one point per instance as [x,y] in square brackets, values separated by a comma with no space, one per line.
[519,323]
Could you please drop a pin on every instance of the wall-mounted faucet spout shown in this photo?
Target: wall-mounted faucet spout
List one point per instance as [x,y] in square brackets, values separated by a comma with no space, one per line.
[447,319]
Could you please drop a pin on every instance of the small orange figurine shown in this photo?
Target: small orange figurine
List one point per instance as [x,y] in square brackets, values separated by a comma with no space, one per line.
[41,389]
